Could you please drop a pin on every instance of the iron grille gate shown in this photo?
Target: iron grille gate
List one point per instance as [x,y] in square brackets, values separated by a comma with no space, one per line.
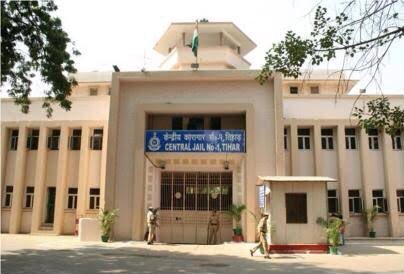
[186,201]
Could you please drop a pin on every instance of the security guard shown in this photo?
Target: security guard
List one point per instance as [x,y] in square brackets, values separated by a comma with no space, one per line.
[213,227]
[262,230]
[151,219]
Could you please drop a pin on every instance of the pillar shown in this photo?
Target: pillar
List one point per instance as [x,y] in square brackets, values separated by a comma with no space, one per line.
[293,149]
[343,188]
[83,172]
[317,149]
[19,176]
[40,175]
[364,159]
[61,183]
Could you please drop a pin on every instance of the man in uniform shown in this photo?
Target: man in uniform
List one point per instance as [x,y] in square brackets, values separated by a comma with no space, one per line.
[151,219]
[213,227]
[262,230]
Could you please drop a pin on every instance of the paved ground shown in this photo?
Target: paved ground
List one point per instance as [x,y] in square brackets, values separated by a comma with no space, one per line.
[30,254]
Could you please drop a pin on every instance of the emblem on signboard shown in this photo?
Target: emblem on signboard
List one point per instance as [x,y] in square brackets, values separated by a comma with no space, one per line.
[154,143]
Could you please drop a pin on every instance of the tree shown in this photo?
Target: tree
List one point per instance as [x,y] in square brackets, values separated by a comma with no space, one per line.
[363,31]
[33,41]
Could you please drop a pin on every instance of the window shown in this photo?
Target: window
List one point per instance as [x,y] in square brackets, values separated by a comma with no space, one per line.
[327,138]
[9,196]
[296,208]
[400,200]
[75,140]
[285,138]
[332,201]
[379,200]
[293,90]
[314,90]
[303,138]
[53,140]
[176,123]
[355,201]
[72,198]
[32,139]
[350,138]
[373,139]
[29,196]
[215,123]
[94,198]
[96,139]
[396,140]
[14,139]
[93,91]
[196,123]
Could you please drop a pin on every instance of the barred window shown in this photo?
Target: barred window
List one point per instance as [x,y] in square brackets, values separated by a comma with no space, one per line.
[355,201]
[96,139]
[75,140]
[32,139]
[8,199]
[332,201]
[94,198]
[379,200]
[294,90]
[53,139]
[29,196]
[285,138]
[72,198]
[303,138]
[14,139]
[327,138]
[373,137]
[400,200]
[397,141]
[350,138]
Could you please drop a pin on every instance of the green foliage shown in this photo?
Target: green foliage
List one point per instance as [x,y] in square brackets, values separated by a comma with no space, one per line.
[371,214]
[107,219]
[235,211]
[363,27]
[378,114]
[33,41]
[332,228]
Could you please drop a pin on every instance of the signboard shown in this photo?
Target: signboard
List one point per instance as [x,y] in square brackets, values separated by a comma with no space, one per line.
[213,141]
[261,196]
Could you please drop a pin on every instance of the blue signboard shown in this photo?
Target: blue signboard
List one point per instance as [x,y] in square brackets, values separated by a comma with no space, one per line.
[225,141]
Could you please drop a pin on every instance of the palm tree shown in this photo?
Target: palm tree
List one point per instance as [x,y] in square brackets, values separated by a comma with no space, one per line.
[235,211]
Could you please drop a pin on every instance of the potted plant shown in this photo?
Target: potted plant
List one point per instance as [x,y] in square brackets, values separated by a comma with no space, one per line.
[107,219]
[235,212]
[332,228]
[371,214]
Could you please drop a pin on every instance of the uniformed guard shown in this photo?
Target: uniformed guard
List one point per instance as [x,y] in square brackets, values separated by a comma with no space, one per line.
[262,230]
[213,227]
[151,219]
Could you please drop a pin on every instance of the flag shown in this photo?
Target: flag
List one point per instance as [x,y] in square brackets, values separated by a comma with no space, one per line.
[195,41]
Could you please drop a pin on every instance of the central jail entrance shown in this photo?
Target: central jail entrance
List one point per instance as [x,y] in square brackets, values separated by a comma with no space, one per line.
[186,202]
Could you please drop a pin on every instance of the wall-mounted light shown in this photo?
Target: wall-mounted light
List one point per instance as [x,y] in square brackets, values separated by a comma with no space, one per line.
[162,164]
[226,165]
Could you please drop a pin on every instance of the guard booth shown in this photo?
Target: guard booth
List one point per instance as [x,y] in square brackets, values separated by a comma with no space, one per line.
[294,203]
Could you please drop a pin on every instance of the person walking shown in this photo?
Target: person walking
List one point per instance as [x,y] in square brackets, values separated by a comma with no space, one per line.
[213,228]
[151,219]
[262,230]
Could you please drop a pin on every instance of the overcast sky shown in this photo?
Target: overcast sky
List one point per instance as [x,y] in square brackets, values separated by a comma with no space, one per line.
[125,32]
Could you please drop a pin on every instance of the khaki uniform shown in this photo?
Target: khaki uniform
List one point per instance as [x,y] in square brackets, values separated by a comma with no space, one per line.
[151,225]
[262,230]
[213,227]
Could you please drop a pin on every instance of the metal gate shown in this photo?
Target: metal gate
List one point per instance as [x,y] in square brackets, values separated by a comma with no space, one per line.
[186,201]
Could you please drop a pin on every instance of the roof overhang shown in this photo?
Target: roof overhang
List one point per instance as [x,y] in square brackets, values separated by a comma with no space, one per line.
[175,30]
[262,179]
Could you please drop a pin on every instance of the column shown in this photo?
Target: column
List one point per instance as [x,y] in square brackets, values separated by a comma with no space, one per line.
[364,158]
[293,149]
[61,183]
[279,126]
[343,188]
[19,176]
[40,175]
[390,185]
[4,150]
[317,149]
[83,172]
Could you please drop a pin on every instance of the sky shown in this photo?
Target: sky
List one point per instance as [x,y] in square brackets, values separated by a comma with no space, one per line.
[124,32]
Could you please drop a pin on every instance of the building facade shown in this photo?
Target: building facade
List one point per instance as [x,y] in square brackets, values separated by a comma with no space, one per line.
[192,141]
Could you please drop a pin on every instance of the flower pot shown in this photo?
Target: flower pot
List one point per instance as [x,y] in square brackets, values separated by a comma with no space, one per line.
[104,238]
[333,250]
[372,234]
[238,238]
[237,231]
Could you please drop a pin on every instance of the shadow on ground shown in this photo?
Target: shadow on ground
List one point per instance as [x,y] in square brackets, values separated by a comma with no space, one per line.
[102,259]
